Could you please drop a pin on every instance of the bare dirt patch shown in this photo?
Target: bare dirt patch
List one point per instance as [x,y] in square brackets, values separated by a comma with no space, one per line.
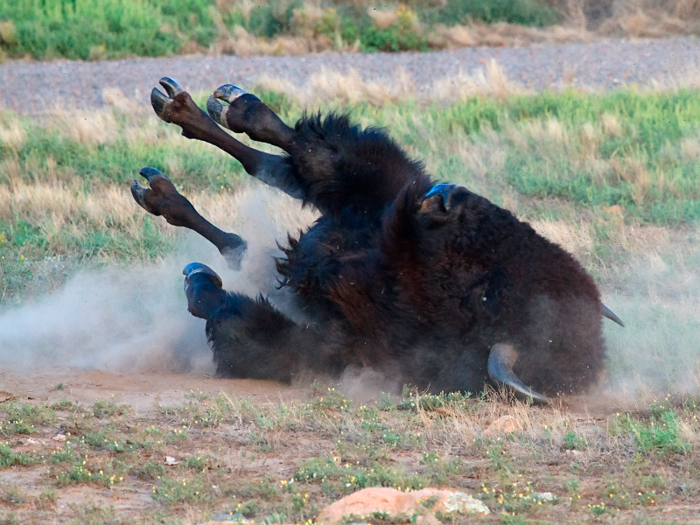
[142,392]
[93,447]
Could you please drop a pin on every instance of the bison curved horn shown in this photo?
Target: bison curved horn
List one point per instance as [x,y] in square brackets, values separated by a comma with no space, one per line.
[608,313]
[500,367]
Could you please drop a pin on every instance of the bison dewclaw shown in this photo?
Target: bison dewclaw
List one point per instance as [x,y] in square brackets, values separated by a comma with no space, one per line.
[428,284]
[217,111]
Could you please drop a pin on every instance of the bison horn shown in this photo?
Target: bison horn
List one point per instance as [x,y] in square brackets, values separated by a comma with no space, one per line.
[607,312]
[500,366]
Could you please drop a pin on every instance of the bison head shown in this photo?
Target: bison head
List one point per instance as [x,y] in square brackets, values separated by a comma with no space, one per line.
[524,306]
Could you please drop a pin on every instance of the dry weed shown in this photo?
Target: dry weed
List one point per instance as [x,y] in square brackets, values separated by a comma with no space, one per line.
[12,135]
[383,18]
[86,127]
[328,85]
[575,238]
[491,81]
[115,98]
[242,43]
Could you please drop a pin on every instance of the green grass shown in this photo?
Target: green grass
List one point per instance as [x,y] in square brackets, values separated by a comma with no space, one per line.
[97,29]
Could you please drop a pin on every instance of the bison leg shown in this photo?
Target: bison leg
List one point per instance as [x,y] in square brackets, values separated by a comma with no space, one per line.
[177,107]
[338,165]
[249,337]
[246,113]
[161,198]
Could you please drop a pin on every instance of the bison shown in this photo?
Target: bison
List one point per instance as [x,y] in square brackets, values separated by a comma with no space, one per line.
[428,282]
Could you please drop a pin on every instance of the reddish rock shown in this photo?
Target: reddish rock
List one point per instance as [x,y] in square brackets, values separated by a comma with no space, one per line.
[423,504]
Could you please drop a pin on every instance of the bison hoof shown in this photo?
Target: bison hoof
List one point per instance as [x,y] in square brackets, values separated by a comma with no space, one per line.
[228,93]
[161,103]
[204,290]
[141,193]
[195,268]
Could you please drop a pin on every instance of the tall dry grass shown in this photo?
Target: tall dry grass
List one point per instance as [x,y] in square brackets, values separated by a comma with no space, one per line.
[331,86]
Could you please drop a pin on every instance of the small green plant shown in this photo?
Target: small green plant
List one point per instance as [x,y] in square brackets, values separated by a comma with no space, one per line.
[102,409]
[572,486]
[661,434]
[68,454]
[574,442]
[179,491]
[499,459]
[80,474]
[64,405]
[9,458]
[598,510]
[151,470]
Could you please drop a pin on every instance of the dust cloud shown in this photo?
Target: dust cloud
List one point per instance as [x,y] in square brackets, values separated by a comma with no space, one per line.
[658,297]
[134,318]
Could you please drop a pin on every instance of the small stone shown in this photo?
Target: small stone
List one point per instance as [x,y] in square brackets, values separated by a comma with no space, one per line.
[544,496]
[461,503]
[61,438]
[169,460]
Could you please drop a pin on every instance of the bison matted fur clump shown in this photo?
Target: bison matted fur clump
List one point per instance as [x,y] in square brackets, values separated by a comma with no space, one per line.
[430,283]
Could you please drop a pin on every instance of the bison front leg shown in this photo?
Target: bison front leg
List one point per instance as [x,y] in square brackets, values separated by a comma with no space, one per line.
[177,107]
[162,199]
[249,337]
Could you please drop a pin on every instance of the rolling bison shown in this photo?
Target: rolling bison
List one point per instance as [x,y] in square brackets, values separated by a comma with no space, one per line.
[428,282]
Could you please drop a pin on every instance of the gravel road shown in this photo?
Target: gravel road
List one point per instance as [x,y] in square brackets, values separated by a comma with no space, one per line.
[31,87]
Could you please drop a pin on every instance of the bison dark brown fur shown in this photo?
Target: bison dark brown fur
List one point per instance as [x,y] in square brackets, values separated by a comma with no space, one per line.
[431,283]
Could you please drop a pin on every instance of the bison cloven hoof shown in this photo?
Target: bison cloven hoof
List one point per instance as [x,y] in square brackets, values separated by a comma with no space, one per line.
[228,93]
[160,101]
[195,268]
[139,192]
[151,174]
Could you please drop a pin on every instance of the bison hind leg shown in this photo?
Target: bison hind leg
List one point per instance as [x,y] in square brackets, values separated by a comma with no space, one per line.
[251,339]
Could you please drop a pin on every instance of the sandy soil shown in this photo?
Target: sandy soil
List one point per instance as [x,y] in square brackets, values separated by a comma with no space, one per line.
[143,392]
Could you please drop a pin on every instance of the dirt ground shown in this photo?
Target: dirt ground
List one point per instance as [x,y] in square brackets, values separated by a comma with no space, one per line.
[184,448]
[142,392]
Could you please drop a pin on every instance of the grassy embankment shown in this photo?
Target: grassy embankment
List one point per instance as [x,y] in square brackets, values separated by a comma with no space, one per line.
[93,29]
[612,177]
[104,29]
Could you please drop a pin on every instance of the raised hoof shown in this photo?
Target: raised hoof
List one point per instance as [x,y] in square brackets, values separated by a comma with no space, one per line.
[204,290]
[162,198]
[195,268]
[228,93]
[141,194]
[161,103]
